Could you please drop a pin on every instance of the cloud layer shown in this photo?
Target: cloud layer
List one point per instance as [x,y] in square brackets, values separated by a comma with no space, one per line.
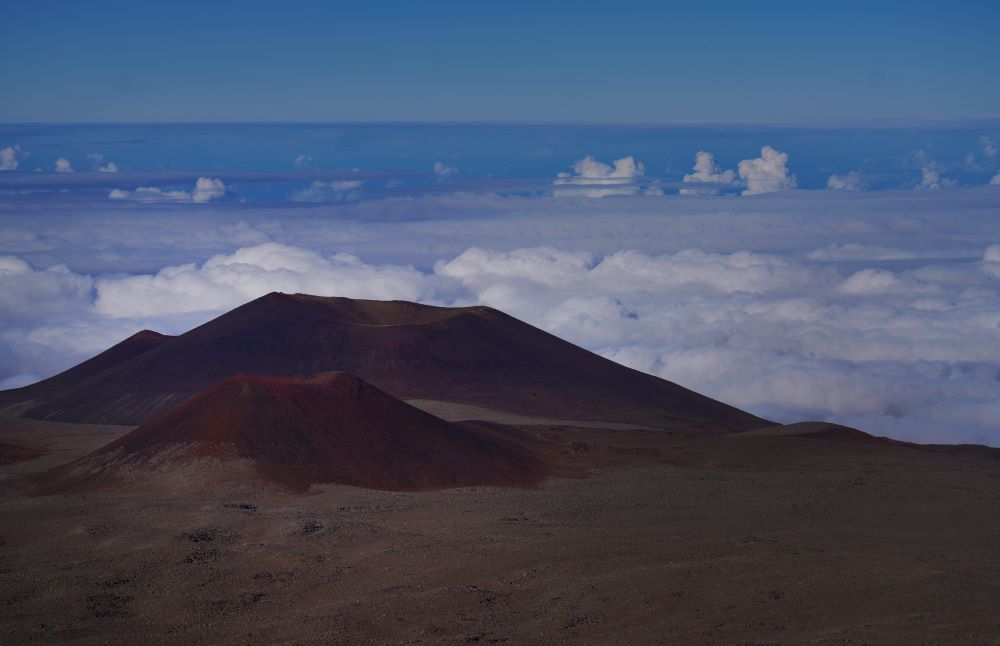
[205,190]
[911,351]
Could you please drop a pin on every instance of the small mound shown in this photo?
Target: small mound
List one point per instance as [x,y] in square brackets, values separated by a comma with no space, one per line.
[817,431]
[331,428]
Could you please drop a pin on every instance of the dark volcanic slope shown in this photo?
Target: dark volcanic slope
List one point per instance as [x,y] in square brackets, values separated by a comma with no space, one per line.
[473,355]
[333,427]
[820,431]
[77,376]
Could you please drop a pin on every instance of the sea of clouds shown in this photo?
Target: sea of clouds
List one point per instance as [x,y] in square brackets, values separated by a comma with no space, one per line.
[876,309]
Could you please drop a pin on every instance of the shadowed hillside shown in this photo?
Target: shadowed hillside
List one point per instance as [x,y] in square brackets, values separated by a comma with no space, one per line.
[473,355]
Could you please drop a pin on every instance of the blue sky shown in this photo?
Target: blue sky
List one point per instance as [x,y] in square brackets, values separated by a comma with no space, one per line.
[512,61]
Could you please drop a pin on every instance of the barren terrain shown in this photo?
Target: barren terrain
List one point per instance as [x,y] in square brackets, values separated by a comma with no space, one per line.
[643,537]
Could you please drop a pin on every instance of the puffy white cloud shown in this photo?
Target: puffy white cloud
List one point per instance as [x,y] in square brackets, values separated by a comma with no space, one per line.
[10,157]
[225,281]
[482,267]
[852,181]
[995,180]
[301,161]
[989,146]
[332,191]
[443,170]
[97,163]
[205,190]
[149,194]
[63,165]
[29,294]
[619,179]
[767,173]
[931,178]
[706,171]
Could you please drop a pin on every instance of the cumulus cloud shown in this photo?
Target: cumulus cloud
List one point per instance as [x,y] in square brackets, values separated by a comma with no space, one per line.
[988,146]
[443,170]
[205,190]
[332,191]
[149,194]
[28,293]
[97,163]
[767,173]
[852,181]
[706,171]
[225,281]
[63,165]
[301,161]
[996,179]
[931,179]
[10,157]
[619,179]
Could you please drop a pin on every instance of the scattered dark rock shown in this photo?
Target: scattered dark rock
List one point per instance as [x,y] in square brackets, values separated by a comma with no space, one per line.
[209,535]
[109,604]
[209,555]
[243,602]
[311,527]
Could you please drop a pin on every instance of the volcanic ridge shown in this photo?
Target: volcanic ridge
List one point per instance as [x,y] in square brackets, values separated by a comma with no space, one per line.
[470,355]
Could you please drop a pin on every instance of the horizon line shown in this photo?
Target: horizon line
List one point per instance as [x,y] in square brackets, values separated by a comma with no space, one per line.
[988,121]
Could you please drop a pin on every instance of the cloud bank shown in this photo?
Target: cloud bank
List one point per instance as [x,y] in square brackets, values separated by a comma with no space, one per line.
[911,351]
[205,190]
[332,191]
[618,179]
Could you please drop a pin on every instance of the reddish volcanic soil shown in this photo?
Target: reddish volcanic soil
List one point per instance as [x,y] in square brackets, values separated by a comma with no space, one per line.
[331,428]
[657,538]
[475,355]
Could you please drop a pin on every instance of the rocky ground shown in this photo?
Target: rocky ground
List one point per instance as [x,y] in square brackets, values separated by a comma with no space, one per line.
[643,538]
